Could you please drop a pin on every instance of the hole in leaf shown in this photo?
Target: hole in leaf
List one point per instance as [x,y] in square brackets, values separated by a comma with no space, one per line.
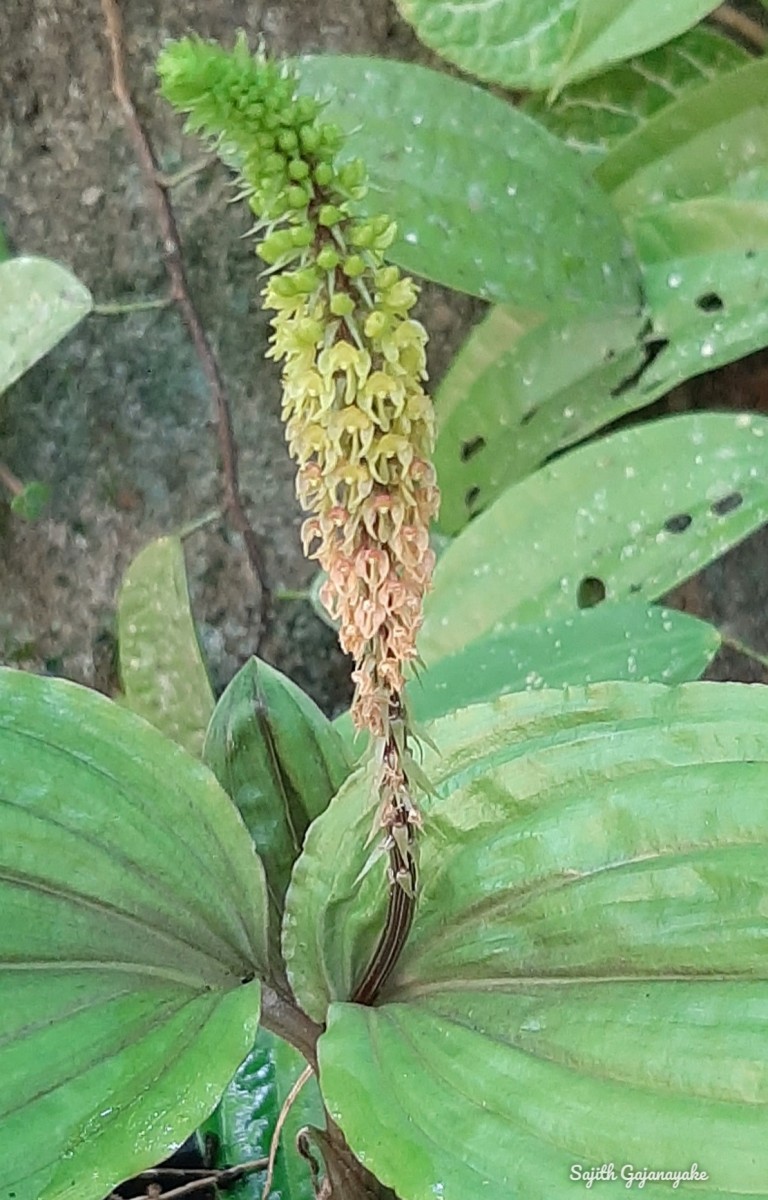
[679,523]
[590,592]
[710,302]
[727,504]
[468,449]
[471,496]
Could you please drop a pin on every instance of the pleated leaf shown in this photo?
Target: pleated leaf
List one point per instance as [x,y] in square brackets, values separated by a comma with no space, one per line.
[280,760]
[586,980]
[134,915]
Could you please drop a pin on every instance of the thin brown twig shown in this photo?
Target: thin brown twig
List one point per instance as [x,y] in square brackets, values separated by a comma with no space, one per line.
[9,481]
[734,643]
[738,22]
[205,1179]
[176,1173]
[179,288]
[290,1100]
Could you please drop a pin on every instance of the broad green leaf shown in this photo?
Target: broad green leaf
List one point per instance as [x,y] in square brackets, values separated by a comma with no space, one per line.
[161,667]
[280,760]
[486,200]
[699,146]
[632,641]
[244,1121]
[593,115]
[505,409]
[606,32]
[712,225]
[40,302]
[134,920]
[506,406]
[708,310]
[630,515]
[534,45]
[30,503]
[594,868]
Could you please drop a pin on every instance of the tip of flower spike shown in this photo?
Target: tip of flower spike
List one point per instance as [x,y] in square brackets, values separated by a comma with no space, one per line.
[225,92]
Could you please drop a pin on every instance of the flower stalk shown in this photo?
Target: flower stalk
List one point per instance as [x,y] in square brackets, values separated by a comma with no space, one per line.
[358,421]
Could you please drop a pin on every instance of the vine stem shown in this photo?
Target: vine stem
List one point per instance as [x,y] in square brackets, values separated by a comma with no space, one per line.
[211,1178]
[157,187]
[274,1145]
[742,648]
[738,22]
[9,481]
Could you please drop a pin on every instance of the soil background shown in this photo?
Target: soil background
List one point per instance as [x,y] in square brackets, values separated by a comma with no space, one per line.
[117,419]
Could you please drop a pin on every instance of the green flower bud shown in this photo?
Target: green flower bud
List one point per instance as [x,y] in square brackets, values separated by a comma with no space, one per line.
[298,169]
[384,240]
[282,286]
[329,215]
[305,280]
[332,137]
[385,277]
[353,266]
[328,259]
[275,246]
[342,305]
[287,141]
[297,197]
[309,137]
[362,236]
[352,174]
[274,164]
[376,324]
[323,174]
[309,331]
[307,108]
[302,235]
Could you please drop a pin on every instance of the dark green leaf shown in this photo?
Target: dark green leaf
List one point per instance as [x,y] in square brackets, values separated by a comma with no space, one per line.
[486,201]
[244,1122]
[595,114]
[533,45]
[161,668]
[280,760]
[40,302]
[699,146]
[637,512]
[612,641]
[30,503]
[631,641]
[134,915]
[586,978]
